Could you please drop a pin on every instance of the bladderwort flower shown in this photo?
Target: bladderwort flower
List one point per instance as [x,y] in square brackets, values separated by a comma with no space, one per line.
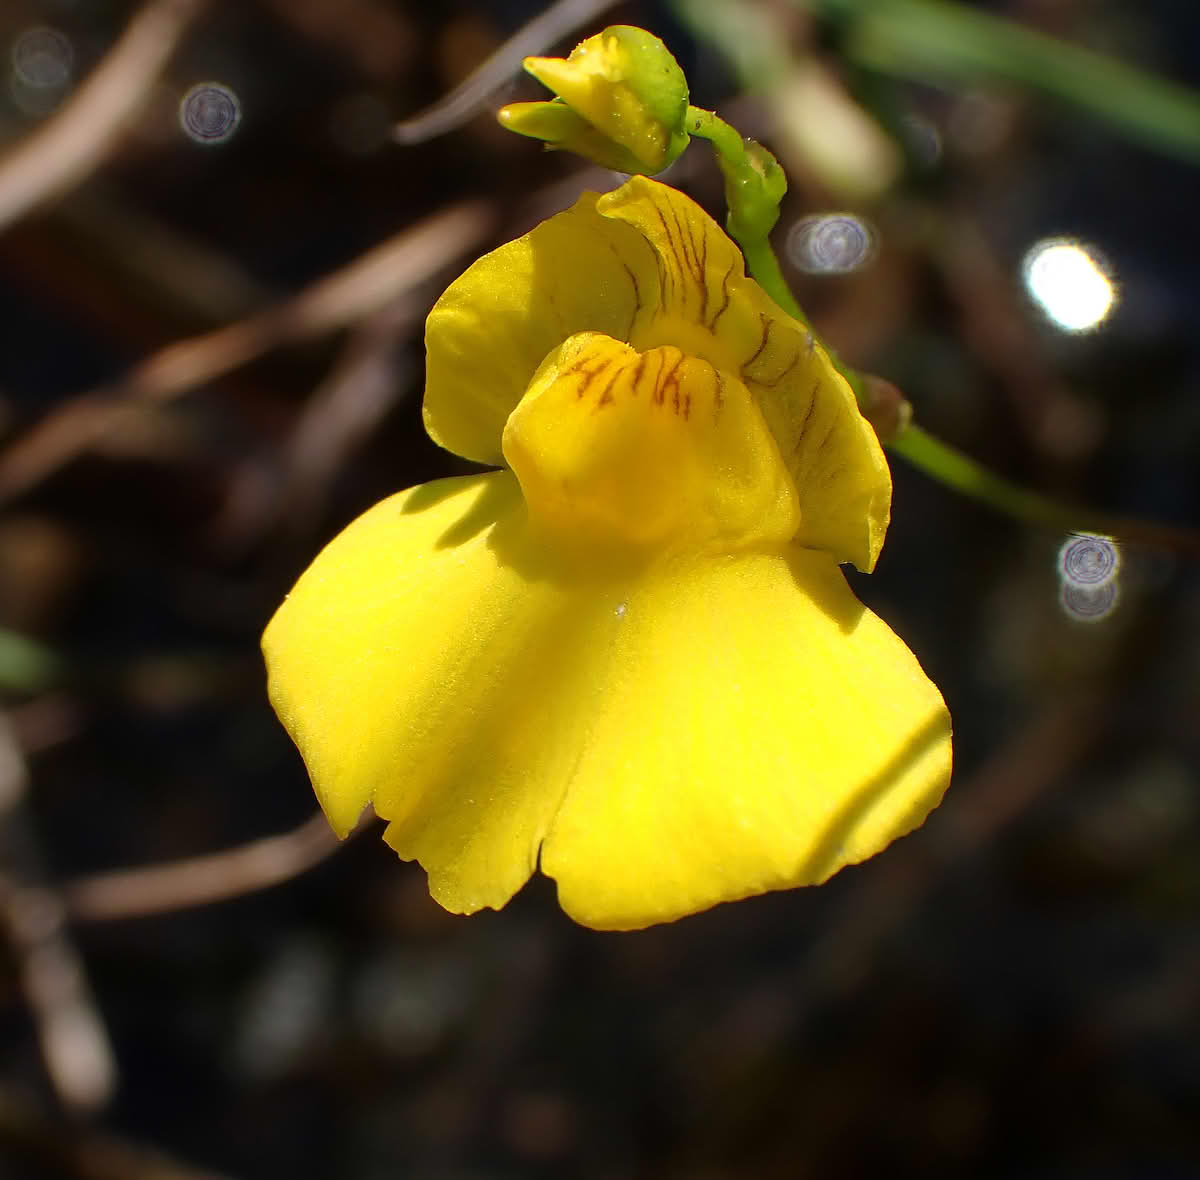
[620,101]
[628,656]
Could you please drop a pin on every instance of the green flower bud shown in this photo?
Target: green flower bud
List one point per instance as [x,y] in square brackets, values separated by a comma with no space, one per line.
[621,101]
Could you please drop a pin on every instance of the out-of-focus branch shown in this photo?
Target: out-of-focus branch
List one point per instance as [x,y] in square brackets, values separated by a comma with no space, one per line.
[75,1046]
[340,414]
[202,880]
[357,290]
[71,144]
[465,100]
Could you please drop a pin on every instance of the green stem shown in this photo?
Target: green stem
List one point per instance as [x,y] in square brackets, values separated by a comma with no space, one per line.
[726,140]
[963,474]
[754,185]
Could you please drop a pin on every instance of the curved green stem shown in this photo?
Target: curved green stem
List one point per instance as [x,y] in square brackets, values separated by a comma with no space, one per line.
[963,474]
[754,187]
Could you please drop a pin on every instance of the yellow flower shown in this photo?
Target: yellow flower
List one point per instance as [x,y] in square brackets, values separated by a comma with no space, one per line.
[621,102]
[628,657]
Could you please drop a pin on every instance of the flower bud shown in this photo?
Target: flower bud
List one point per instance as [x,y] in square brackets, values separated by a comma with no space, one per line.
[621,102]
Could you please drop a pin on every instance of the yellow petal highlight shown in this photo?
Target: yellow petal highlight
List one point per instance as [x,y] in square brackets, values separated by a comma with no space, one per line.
[798,735]
[703,302]
[402,665]
[611,656]
[670,735]
[564,129]
[645,265]
[653,449]
[497,322]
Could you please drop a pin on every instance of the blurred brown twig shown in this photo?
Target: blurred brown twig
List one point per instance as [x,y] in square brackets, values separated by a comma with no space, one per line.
[356,290]
[202,880]
[74,1042]
[70,145]
[467,98]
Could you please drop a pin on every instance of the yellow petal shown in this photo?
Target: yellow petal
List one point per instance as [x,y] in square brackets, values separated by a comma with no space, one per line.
[655,450]
[686,727]
[703,302]
[644,264]
[564,129]
[495,324]
[405,665]
[749,726]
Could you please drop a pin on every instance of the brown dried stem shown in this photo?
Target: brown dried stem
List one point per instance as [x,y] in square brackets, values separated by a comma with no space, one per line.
[75,141]
[469,96]
[202,880]
[75,1047]
[358,289]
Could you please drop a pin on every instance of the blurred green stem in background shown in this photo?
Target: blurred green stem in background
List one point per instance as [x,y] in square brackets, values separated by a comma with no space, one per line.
[926,39]
[753,180]
[25,666]
[940,41]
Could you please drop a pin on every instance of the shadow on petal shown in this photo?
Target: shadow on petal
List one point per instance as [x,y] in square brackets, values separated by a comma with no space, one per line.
[829,854]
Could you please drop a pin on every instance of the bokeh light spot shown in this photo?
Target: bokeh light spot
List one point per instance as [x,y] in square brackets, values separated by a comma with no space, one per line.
[1070,285]
[1088,560]
[42,58]
[1088,604]
[210,113]
[830,243]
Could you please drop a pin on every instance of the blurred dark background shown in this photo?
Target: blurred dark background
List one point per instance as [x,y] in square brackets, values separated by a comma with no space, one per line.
[1012,991]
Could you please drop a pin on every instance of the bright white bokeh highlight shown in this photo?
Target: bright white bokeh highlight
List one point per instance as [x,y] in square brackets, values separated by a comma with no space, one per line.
[209,113]
[1069,284]
[1088,559]
[1088,569]
[830,244]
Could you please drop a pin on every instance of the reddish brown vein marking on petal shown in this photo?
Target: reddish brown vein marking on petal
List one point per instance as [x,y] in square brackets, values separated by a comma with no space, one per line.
[718,393]
[606,396]
[580,369]
[782,373]
[712,327]
[679,289]
[588,375]
[637,291]
[691,260]
[762,344]
[833,474]
[702,276]
[661,268]
[665,228]
[669,378]
[638,370]
[653,383]
[826,437]
[687,406]
[676,240]
[666,278]
[812,405]
[580,365]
